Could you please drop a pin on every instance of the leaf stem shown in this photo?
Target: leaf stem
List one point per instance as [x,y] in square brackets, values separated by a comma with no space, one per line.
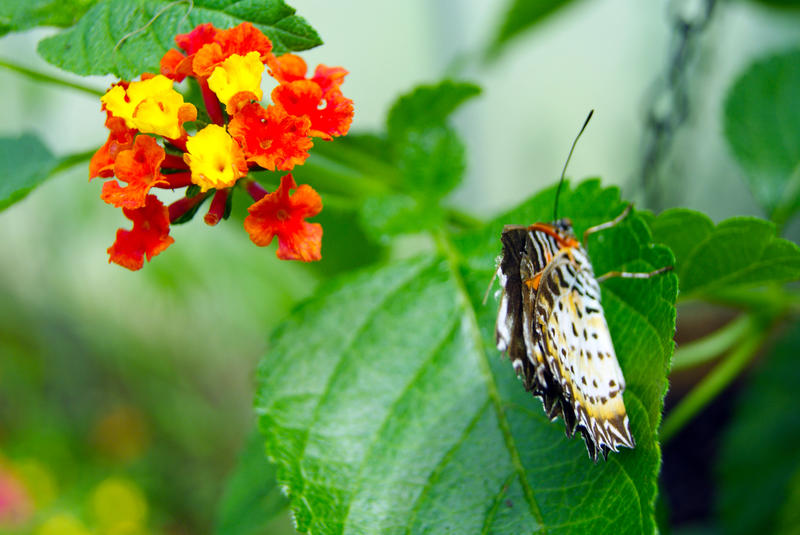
[48,79]
[713,383]
[706,348]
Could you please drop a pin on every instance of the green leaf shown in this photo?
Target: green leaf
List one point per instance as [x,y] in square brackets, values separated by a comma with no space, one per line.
[427,106]
[741,251]
[758,467]
[432,161]
[16,15]
[24,164]
[383,216]
[128,37]
[762,125]
[522,15]
[345,246]
[404,418]
[252,498]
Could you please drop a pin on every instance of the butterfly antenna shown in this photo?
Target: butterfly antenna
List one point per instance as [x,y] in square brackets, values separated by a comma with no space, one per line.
[561,181]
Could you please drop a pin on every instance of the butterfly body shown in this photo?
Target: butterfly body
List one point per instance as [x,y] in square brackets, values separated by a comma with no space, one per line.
[551,325]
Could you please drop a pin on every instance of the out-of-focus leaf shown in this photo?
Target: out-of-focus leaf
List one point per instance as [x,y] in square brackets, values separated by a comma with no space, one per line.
[741,251]
[427,106]
[388,409]
[24,164]
[520,16]
[345,245]
[252,498]
[432,161]
[128,37]
[758,465]
[16,15]
[762,125]
[780,3]
[383,216]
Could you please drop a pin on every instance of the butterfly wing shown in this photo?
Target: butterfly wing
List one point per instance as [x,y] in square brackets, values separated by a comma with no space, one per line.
[570,333]
[513,316]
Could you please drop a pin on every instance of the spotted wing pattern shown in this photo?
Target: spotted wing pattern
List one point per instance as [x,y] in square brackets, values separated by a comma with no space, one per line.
[552,326]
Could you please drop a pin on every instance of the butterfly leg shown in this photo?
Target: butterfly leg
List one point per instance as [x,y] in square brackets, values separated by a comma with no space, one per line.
[629,275]
[608,224]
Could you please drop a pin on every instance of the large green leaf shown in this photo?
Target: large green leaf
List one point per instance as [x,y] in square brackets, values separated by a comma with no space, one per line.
[520,16]
[252,498]
[405,419]
[128,37]
[741,251]
[18,15]
[24,164]
[759,469]
[762,125]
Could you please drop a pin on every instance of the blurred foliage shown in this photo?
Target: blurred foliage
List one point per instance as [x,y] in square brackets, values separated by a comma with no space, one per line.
[762,125]
[520,16]
[16,15]
[24,163]
[252,502]
[759,466]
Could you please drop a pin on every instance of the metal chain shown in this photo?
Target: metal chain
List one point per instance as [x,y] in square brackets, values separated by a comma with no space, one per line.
[667,101]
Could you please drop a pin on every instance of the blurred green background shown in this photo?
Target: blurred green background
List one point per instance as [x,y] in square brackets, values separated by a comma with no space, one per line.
[135,388]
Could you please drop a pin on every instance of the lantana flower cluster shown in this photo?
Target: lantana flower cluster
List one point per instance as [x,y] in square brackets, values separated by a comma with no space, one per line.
[159,141]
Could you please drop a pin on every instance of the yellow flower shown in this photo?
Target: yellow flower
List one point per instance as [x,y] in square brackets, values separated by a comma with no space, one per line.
[119,506]
[237,74]
[62,524]
[215,158]
[151,106]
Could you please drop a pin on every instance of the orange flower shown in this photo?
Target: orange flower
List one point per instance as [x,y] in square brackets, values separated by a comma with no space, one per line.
[330,114]
[283,215]
[287,68]
[149,236]
[120,138]
[140,167]
[239,40]
[177,66]
[270,137]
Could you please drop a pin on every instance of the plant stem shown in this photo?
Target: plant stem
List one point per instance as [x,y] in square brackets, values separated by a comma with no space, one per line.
[708,347]
[713,383]
[72,159]
[46,78]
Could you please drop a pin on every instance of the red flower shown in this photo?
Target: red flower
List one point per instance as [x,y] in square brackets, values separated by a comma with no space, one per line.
[120,138]
[140,167]
[239,40]
[270,137]
[330,114]
[329,78]
[149,236]
[283,215]
[177,66]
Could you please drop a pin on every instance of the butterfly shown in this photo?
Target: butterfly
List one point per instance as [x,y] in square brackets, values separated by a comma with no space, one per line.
[551,324]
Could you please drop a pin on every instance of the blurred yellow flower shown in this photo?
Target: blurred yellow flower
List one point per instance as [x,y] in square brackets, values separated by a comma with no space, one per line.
[119,507]
[62,524]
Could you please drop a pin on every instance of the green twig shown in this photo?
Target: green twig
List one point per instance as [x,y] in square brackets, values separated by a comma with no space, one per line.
[713,383]
[46,78]
[463,219]
[65,162]
[705,349]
